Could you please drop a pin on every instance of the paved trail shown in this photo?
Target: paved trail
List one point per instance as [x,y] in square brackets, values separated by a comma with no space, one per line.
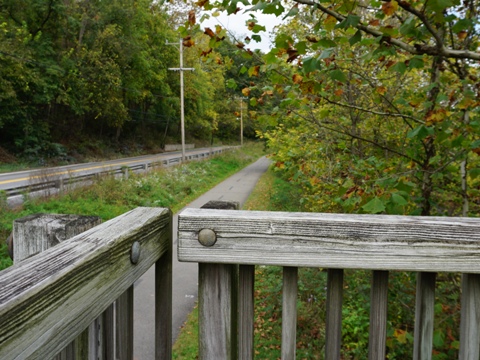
[185,277]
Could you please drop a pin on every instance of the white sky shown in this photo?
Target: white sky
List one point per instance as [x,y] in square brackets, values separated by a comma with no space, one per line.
[236,25]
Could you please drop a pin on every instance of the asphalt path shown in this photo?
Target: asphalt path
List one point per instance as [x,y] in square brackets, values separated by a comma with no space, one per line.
[185,275]
[24,178]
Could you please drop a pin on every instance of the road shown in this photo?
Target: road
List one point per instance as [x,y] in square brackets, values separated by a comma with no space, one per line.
[185,275]
[25,178]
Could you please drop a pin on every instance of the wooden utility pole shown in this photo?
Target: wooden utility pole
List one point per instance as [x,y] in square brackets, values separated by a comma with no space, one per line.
[181,69]
[241,118]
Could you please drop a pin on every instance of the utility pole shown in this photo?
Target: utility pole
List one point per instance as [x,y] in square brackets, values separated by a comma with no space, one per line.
[241,122]
[241,119]
[181,69]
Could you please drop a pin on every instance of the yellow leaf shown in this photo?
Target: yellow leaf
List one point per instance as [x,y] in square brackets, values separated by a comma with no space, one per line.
[381,90]
[462,35]
[330,22]
[254,71]
[389,7]
[297,79]
[246,91]
[401,335]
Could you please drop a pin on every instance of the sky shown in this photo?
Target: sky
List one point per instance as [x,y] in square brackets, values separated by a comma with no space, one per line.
[236,25]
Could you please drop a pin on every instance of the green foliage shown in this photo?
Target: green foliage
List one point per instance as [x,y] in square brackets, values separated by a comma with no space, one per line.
[82,69]
[363,85]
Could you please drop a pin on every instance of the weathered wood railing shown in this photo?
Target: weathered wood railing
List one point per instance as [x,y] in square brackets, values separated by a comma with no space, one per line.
[50,299]
[380,243]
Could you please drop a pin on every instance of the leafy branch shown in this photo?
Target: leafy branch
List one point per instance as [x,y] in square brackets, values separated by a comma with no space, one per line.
[416,49]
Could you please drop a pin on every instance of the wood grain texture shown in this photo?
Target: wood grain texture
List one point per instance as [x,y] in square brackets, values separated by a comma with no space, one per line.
[215,290]
[376,242]
[108,334]
[333,336]
[378,316]
[470,318]
[218,304]
[124,325]
[48,300]
[246,312]
[424,316]
[163,304]
[289,313]
[38,232]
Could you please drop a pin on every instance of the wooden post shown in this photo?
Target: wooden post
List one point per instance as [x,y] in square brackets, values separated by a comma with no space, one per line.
[124,325]
[217,304]
[470,318]
[246,283]
[378,316]
[424,316]
[289,312]
[163,302]
[36,233]
[333,336]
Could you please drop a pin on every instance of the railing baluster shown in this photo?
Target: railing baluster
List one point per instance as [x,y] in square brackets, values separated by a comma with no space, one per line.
[215,290]
[334,314]
[424,316]
[289,313]
[470,317]
[124,325]
[107,334]
[378,316]
[163,303]
[245,311]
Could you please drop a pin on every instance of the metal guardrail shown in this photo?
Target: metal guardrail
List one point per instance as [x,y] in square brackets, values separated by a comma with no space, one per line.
[56,181]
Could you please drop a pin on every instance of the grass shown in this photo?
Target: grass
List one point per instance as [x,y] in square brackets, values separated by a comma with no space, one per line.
[172,187]
[186,346]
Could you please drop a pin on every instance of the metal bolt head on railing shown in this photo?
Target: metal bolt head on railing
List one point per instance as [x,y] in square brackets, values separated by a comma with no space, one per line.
[207,237]
[135,252]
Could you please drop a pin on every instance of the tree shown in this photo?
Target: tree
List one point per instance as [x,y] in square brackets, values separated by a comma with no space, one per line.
[395,83]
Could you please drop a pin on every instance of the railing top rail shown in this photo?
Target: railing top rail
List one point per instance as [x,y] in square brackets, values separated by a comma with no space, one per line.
[47,300]
[374,242]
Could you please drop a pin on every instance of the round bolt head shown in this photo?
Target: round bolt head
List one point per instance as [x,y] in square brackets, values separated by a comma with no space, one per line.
[207,237]
[135,252]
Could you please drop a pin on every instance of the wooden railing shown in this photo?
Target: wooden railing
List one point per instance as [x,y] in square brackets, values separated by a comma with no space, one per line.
[53,298]
[221,239]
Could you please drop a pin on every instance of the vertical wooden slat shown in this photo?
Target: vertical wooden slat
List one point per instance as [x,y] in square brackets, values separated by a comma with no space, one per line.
[246,312]
[289,313]
[217,303]
[124,325]
[334,314]
[470,318]
[378,316]
[424,316]
[95,344]
[163,303]
[215,311]
[234,297]
[80,346]
[108,333]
